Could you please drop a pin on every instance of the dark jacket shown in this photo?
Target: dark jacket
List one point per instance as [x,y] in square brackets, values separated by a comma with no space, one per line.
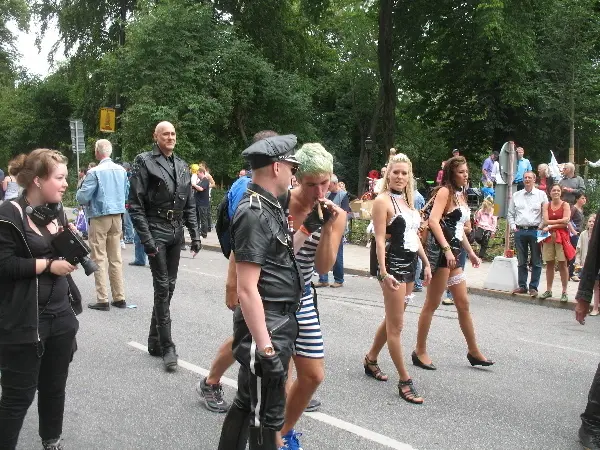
[154,187]
[591,266]
[18,281]
[259,235]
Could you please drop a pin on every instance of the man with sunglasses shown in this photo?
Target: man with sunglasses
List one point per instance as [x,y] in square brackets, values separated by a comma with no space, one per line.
[269,285]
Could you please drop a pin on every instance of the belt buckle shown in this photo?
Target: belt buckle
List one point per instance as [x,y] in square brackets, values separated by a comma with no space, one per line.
[169,214]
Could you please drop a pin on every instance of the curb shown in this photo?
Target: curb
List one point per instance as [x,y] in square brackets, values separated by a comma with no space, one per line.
[519,298]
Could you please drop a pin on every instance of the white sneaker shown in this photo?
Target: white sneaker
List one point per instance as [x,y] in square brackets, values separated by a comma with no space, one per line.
[123,244]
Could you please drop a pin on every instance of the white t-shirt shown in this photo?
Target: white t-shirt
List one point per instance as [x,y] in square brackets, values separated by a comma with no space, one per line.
[496,176]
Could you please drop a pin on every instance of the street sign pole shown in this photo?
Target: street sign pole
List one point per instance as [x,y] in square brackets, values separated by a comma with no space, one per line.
[77,149]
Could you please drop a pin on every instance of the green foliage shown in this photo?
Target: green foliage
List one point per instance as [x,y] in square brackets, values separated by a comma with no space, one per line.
[180,65]
[18,12]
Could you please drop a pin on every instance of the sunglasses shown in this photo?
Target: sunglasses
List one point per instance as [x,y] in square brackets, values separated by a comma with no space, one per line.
[293,167]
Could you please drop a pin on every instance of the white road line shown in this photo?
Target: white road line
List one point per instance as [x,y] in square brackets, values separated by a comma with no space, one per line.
[321,417]
[200,273]
[562,347]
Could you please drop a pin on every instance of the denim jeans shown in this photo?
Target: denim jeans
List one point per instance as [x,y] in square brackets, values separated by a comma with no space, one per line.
[574,240]
[418,281]
[140,254]
[128,230]
[338,267]
[462,260]
[526,241]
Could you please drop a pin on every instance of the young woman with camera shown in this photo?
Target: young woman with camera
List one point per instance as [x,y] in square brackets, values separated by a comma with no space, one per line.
[37,306]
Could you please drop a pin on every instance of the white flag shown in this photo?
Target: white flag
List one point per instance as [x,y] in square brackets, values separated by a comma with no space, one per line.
[553,166]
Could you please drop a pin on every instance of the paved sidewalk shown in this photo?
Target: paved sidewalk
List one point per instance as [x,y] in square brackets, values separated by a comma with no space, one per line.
[356,262]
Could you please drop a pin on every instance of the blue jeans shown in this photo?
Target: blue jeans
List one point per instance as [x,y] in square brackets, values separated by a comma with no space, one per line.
[525,241]
[462,260]
[338,267]
[418,281]
[140,254]
[128,227]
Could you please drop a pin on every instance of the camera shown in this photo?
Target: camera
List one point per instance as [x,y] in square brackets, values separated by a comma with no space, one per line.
[71,246]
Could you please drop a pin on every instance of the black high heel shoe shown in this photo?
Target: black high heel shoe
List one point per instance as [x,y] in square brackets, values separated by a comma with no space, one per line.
[417,362]
[478,362]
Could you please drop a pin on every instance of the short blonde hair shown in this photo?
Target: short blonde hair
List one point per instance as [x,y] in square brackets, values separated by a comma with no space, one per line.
[314,160]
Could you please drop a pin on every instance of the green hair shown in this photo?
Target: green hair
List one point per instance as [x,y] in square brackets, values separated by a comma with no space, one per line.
[314,160]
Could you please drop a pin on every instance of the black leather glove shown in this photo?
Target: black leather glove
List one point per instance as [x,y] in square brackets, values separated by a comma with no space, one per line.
[314,221]
[150,247]
[196,246]
[272,372]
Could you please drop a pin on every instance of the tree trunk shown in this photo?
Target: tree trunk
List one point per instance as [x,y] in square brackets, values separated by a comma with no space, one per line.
[364,160]
[572,130]
[386,66]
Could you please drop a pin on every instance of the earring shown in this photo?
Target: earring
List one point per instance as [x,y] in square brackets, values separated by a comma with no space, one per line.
[39,186]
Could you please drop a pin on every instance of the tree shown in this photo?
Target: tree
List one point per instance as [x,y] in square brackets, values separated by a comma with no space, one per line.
[17,11]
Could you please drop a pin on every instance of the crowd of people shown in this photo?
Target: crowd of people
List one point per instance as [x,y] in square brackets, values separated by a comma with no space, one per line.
[281,223]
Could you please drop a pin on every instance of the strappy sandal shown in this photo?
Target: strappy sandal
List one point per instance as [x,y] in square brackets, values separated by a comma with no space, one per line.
[373,370]
[411,395]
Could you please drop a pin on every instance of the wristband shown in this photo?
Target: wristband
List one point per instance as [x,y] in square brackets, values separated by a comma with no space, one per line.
[446,248]
[48,265]
[382,277]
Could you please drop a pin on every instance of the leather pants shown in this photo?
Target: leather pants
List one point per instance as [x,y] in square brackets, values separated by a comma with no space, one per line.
[257,412]
[590,419]
[164,266]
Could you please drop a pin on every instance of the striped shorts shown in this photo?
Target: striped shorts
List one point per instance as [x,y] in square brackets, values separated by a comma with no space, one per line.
[309,342]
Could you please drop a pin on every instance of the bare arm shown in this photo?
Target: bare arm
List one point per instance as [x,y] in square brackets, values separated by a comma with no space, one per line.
[558,223]
[231,296]
[331,238]
[211,181]
[251,303]
[439,205]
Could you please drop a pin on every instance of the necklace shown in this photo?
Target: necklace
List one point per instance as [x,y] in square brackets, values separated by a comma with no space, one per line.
[396,194]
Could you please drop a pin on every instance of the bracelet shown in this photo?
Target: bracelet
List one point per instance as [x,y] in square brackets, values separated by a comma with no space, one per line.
[446,248]
[48,265]
[382,277]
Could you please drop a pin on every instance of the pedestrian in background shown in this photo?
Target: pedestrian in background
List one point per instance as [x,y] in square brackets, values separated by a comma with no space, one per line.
[525,216]
[557,247]
[486,225]
[202,199]
[211,185]
[545,179]
[419,203]
[572,185]
[487,168]
[104,193]
[339,198]
[523,165]
[1,190]
[488,190]
[581,255]
[576,228]
[9,183]
[38,320]
[128,230]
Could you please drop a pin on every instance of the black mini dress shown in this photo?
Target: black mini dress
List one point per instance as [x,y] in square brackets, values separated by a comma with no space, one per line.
[403,243]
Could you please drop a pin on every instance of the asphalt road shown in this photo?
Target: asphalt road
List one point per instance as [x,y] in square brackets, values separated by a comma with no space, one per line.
[119,397]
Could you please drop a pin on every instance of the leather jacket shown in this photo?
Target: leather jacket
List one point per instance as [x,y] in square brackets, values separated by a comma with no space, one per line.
[161,196]
[591,266]
[259,235]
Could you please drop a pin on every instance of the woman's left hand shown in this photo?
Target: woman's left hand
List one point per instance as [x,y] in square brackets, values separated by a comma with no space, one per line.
[427,275]
[475,261]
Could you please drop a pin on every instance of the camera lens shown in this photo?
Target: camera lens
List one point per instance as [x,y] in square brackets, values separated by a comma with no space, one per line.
[88,265]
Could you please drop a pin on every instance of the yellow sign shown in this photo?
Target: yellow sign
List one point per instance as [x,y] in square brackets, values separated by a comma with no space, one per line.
[107,120]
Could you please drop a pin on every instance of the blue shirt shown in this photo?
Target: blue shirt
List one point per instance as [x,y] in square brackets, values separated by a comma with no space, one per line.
[488,192]
[418,201]
[236,192]
[523,165]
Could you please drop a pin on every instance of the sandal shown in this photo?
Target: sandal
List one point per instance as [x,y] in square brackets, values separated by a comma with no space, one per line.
[411,395]
[373,370]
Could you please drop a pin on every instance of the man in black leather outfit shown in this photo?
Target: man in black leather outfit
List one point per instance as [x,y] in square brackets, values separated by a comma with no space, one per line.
[589,433]
[160,203]
[269,284]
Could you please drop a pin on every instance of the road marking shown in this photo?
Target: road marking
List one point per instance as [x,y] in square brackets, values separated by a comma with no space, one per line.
[321,417]
[200,273]
[562,347]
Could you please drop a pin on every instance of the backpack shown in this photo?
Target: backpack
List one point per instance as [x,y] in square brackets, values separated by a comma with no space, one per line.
[225,213]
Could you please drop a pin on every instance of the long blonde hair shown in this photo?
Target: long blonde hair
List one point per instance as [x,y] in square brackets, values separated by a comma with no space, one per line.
[409,190]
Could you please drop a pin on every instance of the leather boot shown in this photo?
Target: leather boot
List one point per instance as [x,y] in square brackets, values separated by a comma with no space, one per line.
[262,439]
[168,348]
[153,343]
[590,419]
[234,434]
